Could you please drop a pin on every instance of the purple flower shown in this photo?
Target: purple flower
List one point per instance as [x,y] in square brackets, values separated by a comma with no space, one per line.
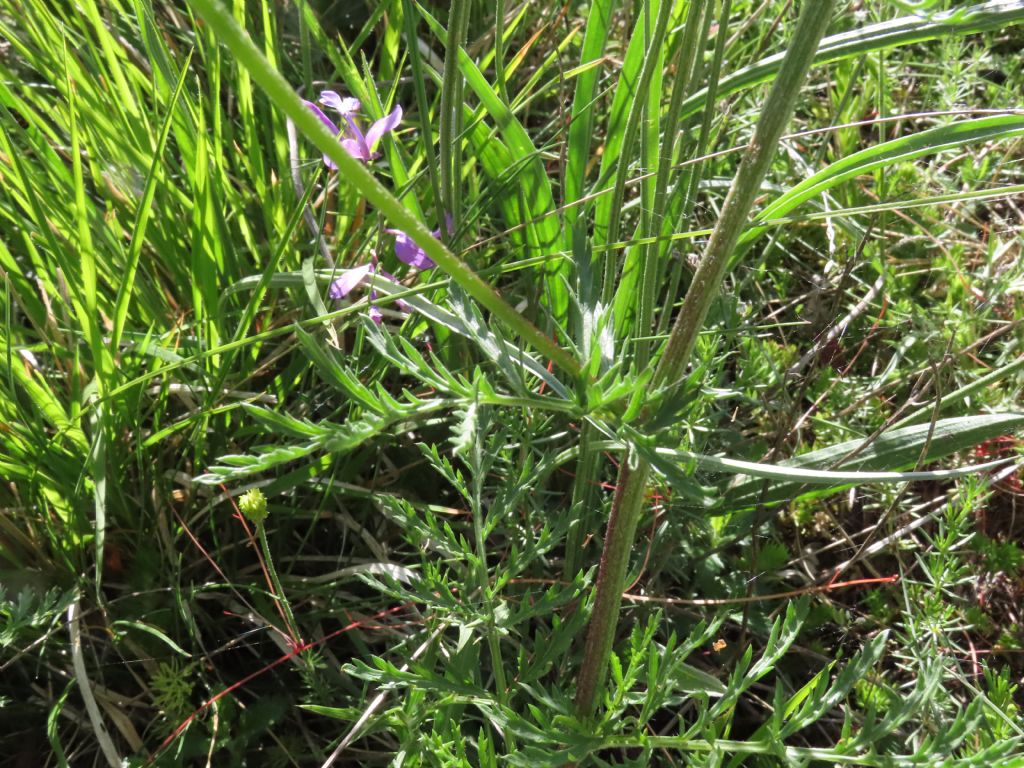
[344,285]
[358,145]
[406,249]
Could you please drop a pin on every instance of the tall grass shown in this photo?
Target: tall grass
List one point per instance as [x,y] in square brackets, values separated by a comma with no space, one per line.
[749,293]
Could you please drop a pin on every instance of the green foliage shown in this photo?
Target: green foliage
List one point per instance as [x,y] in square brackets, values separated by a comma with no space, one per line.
[27,613]
[171,687]
[440,484]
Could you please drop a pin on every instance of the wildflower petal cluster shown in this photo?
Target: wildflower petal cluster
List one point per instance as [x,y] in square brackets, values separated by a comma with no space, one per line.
[362,146]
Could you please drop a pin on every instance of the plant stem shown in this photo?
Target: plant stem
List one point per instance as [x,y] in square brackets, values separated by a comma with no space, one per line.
[410,17]
[775,115]
[584,494]
[611,575]
[499,50]
[629,496]
[485,591]
[293,627]
[451,113]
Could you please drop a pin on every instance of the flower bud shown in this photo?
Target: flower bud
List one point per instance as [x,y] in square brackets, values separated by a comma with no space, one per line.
[253,505]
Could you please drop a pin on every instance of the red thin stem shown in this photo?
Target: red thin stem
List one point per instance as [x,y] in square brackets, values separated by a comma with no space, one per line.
[299,648]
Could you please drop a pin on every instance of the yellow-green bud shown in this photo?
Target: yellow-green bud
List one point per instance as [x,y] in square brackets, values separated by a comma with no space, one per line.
[253,505]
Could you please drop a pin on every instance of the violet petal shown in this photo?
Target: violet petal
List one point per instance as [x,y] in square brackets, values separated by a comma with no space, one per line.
[346,106]
[323,118]
[404,305]
[343,285]
[329,124]
[356,149]
[406,250]
[384,125]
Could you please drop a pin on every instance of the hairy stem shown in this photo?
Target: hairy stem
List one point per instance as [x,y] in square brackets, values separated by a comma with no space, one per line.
[629,496]
[775,116]
[289,617]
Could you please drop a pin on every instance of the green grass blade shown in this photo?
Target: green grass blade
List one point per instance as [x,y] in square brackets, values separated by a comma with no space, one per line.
[450,129]
[907,30]
[892,451]
[544,233]
[928,142]
[615,127]
[145,206]
[643,101]
[812,476]
[581,126]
